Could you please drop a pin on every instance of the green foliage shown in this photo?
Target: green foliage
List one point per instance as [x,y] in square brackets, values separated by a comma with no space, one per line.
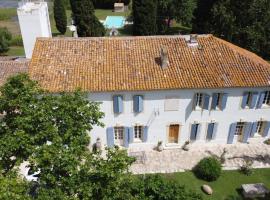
[208,169]
[87,23]
[12,187]
[60,16]
[144,17]
[5,37]
[16,41]
[157,187]
[246,168]
[7,13]
[243,23]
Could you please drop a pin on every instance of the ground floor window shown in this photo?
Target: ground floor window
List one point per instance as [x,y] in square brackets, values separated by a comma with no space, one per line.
[260,127]
[138,133]
[239,128]
[119,135]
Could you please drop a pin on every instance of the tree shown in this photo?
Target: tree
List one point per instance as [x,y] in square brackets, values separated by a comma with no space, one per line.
[5,37]
[144,17]
[84,17]
[60,16]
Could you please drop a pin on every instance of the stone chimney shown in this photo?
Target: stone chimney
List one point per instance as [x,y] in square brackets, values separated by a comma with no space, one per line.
[193,42]
[164,57]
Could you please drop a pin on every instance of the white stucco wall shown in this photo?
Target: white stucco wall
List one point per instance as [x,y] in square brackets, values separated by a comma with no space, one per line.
[34,22]
[158,124]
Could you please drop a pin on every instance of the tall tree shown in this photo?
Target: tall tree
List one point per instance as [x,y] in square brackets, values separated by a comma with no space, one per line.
[60,16]
[144,17]
[84,17]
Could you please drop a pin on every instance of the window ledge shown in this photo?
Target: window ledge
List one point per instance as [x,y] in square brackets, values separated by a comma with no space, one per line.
[137,141]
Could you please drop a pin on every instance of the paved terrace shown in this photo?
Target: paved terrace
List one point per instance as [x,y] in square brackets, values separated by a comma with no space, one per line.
[177,160]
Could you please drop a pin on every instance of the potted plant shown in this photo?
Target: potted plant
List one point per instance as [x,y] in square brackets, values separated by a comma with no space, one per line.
[186,146]
[160,146]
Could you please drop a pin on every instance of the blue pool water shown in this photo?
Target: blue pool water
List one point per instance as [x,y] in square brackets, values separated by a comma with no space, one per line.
[114,21]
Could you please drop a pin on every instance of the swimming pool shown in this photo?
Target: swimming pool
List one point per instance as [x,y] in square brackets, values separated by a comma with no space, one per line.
[114,21]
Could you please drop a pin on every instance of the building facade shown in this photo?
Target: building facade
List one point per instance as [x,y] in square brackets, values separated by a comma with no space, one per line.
[162,88]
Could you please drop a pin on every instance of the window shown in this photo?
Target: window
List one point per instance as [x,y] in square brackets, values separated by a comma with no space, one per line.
[239,128]
[138,132]
[259,127]
[171,104]
[119,135]
[266,100]
[249,98]
[199,100]
[210,131]
[219,101]
[118,104]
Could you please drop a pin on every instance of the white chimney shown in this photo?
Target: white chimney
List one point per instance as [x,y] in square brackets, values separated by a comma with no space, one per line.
[164,57]
[34,22]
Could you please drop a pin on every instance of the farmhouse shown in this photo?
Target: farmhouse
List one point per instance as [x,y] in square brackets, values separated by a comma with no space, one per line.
[158,88]
[162,88]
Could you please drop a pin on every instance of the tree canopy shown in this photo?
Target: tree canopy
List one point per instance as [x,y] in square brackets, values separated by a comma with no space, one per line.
[244,23]
[60,16]
[84,17]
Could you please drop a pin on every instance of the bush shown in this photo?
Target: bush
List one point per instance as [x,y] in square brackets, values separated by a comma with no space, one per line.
[208,169]
[246,168]
[5,37]
[16,41]
[158,187]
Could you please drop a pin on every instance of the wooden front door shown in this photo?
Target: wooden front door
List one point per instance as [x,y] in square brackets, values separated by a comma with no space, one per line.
[173,133]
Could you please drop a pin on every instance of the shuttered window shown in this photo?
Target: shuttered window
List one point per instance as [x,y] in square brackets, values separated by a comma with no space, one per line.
[266,99]
[138,133]
[249,99]
[239,128]
[219,101]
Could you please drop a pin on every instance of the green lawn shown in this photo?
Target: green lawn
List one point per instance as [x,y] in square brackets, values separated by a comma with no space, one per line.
[102,13]
[15,51]
[227,185]
[7,13]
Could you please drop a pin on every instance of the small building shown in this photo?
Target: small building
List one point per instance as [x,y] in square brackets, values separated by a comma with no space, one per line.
[119,7]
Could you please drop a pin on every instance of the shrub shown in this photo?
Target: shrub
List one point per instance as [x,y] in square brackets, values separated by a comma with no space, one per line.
[5,37]
[208,169]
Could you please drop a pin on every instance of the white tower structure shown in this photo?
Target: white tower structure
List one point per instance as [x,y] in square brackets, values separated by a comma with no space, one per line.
[34,22]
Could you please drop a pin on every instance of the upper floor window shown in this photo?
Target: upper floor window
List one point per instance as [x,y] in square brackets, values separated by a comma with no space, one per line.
[199,100]
[219,101]
[138,133]
[266,99]
[137,103]
[249,99]
[118,104]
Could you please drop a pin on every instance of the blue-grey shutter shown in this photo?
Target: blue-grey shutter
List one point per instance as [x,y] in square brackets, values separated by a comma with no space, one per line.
[215,131]
[126,136]
[231,133]
[224,101]
[198,131]
[244,100]
[193,132]
[254,99]
[266,129]
[120,103]
[206,99]
[210,130]
[253,129]
[145,134]
[262,94]
[247,131]
[137,103]
[194,101]
[131,134]
[214,101]
[115,104]
[110,137]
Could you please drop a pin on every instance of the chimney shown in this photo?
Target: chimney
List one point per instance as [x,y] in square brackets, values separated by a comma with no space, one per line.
[192,42]
[164,57]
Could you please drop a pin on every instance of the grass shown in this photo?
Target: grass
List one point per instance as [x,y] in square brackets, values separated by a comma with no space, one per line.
[227,185]
[15,51]
[7,13]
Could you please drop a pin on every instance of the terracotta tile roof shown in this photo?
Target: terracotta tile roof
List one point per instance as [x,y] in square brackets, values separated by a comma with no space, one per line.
[133,63]
[10,68]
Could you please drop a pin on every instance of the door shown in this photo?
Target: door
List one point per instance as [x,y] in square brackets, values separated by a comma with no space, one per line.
[173,133]
[119,136]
